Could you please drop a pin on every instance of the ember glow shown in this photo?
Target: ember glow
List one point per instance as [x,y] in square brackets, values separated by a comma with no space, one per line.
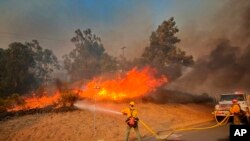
[37,102]
[134,84]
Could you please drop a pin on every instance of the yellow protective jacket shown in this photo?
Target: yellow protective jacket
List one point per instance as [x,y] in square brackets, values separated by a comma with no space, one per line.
[235,109]
[130,112]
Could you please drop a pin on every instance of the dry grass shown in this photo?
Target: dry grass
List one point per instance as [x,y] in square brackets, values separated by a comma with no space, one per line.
[78,125]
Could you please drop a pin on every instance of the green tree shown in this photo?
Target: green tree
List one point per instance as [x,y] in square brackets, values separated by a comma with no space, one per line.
[108,63]
[88,58]
[162,52]
[17,77]
[23,67]
[2,69]
[45,60]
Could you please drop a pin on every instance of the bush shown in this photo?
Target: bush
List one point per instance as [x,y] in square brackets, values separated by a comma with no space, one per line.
[11,101]
[68,98]
[3,103]
[16,100]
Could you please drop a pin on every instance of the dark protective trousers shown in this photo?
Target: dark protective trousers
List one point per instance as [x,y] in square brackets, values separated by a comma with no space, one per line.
[136,131]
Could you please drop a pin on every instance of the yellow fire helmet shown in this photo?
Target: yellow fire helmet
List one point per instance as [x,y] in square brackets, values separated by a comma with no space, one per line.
[132,103]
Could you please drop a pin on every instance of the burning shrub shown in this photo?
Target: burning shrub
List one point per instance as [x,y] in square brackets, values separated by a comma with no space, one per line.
[10,102]
[3,103]
[134,84]
[40,91]
[16,99]
[68,98]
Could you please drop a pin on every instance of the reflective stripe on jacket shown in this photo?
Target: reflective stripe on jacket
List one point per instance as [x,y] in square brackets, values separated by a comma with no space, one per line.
[130,112]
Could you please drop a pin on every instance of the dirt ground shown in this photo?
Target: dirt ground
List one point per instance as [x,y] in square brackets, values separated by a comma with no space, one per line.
[79,126]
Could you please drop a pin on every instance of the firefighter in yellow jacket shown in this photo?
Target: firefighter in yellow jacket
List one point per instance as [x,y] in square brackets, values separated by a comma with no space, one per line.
[235,110]
[132,120]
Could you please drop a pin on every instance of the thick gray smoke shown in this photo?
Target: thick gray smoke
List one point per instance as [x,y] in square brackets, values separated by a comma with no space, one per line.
[227,67]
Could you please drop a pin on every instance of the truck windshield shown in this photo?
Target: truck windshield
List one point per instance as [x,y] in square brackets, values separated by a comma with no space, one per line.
[239,97]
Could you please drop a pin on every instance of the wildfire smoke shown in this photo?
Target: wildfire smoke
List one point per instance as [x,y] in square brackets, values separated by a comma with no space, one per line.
[133,84]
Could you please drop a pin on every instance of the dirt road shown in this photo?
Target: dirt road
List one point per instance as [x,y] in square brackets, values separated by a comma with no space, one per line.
[215,134]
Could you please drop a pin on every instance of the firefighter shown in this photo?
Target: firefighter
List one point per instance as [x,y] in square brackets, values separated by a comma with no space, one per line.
[132,120]
[235,110]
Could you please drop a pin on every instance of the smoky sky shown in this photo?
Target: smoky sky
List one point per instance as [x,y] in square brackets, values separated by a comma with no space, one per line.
[118,22]
[215,32]
[225,65]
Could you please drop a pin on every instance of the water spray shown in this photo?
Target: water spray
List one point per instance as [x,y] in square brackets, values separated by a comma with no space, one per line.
[94,108]
[91,107]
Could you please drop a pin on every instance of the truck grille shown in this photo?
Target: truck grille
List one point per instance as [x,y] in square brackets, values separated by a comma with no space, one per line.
[225,106]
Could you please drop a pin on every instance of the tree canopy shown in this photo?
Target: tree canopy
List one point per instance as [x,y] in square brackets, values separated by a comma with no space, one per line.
[162,52]
[23,67]
[88,58]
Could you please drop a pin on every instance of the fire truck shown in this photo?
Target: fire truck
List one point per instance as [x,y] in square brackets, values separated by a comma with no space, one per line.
[225,102]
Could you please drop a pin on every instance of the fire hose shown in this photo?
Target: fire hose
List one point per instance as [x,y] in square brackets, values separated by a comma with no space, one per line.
[223,122]
[149,129]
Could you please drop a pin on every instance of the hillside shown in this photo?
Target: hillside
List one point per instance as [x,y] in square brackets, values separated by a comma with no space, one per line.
[78,125]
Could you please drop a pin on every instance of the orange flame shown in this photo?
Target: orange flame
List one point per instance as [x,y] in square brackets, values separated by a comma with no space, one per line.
[134,84]
[38,102]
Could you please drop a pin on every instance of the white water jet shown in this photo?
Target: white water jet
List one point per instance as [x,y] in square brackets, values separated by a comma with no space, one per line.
[92,107]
